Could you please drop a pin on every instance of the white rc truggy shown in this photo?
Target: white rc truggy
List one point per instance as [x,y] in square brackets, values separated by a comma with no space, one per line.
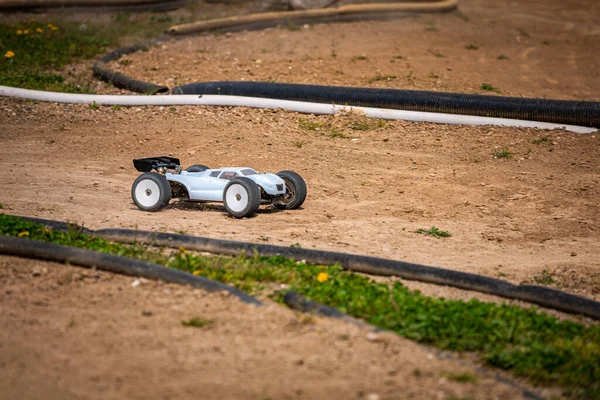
[241,190]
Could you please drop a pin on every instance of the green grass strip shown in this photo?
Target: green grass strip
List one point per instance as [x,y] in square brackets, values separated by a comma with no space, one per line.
[528,342]
[33,54]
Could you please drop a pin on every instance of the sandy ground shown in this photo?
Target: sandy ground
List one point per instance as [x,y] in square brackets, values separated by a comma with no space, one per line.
[512,218]
[532,218]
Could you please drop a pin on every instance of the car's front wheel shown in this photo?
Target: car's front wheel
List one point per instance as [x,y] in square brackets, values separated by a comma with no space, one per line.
[295,191]
[151,191]
[241,197]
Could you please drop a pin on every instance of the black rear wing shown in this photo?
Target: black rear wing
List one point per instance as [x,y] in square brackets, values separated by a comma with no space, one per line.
[148,164]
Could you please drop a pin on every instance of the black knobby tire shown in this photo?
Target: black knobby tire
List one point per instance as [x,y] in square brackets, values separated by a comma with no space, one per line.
[151,191]
[197,168]
[295,191]
[241,197]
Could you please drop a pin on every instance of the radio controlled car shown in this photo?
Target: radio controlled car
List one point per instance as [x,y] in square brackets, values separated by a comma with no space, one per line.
[242,190]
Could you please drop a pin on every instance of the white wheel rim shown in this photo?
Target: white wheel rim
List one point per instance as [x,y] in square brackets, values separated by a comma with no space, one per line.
[236,197]
[147,193]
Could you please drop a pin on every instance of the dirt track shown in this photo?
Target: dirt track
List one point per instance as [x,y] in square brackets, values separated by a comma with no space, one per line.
[531,218]
[513,218]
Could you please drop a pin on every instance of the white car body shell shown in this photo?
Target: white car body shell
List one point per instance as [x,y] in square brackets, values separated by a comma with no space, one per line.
[209,186]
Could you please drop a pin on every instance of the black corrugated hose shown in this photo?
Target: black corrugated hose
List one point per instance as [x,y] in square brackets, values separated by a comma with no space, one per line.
[13,6]
[571,112]
[108,262]
[121,80]
[545,297]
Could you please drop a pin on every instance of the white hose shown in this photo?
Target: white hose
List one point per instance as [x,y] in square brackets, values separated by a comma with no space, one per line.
[297,106]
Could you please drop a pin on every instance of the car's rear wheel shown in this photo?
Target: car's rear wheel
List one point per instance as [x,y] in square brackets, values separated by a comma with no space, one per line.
[197,168]
[241,197]
[151,191]
[295,191]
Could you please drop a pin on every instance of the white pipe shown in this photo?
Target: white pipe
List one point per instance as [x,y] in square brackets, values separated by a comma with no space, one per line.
[297,106]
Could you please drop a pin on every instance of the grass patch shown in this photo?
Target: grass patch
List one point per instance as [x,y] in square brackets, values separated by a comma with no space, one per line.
[471,47]
[380,77]
[361,126]
[502,57]
[197,323]
[367,125]
[462,377]
[435,232]
[38,51]
[359,58]
[335,133]
[530,343]
[437,54]
[502,153]
[324,127]
[313,125]
[545,278]
[489,88]
[540,140]
[32,54]
[291,25]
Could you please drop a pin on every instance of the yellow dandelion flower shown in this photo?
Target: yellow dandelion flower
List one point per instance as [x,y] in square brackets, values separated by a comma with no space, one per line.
[26,32]
[182,249]
[54,28]
[9,54]
[323,276]
[24,233]
[197,272]
[39,30]
[19,32]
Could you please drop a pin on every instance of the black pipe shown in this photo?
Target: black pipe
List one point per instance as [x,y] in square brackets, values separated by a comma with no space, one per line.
[108,262]
[123,81]
[60,7]
[545,297]
[571,112]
